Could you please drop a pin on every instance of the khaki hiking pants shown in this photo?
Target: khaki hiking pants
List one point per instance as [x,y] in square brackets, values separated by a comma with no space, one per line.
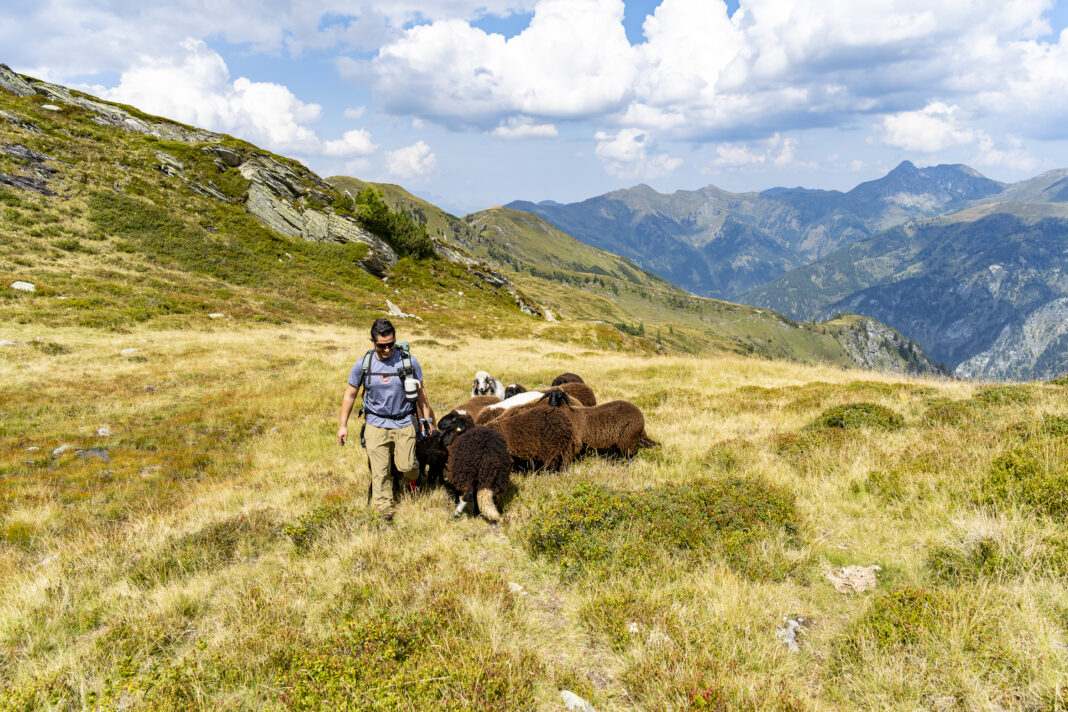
[382,443]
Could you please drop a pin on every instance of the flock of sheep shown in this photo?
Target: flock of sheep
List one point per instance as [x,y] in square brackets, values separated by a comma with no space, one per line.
[498,430]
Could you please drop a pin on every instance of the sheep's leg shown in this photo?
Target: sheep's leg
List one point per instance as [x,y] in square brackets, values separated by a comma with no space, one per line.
[464,502]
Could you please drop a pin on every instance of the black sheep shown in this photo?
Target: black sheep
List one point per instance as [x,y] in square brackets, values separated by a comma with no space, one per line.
[479,463]
[513,389]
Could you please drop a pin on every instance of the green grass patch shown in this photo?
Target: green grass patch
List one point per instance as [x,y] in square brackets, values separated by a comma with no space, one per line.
[1034,475]
[858,415]
[990,557]
[1004,395]
[212,547]
[596,530]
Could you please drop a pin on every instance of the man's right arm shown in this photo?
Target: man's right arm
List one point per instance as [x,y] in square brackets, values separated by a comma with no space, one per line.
[347,401]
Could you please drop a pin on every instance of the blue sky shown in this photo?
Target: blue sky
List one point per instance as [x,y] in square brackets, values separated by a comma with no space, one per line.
[473,103]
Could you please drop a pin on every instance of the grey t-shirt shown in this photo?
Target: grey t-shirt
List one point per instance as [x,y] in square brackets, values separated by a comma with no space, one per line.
[384,390]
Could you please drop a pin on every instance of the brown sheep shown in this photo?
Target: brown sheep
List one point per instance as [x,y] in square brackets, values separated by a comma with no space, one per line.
[567,378]
[544,435]
[474,405]
[576,391]
[613,428]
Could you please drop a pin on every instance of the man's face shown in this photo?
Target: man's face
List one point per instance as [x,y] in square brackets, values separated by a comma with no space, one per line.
[384,345]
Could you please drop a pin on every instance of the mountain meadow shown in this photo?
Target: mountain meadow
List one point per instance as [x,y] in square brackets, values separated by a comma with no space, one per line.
[179,529]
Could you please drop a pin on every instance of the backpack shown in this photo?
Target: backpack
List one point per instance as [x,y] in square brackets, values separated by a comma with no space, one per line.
[406,372]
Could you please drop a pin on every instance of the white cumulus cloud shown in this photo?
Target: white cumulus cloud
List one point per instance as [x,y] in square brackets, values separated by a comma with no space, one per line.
[630,153]
[777,150]
[524,127]
[355,112]
[934,128]
[572,60]
[195,88]
[411,161]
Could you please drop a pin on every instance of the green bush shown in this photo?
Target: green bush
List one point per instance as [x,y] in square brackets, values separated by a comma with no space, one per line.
[941,411]
[859,415]
[1005,395]
[990,557]
[1033,475]
[893,624]
[596,529]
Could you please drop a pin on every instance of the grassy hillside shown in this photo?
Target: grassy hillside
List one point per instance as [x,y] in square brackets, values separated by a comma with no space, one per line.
[201,543]
[587,287]
[439,223]
[523,242]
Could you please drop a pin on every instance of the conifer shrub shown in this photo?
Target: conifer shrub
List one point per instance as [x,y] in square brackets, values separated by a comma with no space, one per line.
[1061,380]
[594,529]
[858,415]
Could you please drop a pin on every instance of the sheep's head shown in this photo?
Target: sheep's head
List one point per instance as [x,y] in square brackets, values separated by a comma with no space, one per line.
[453,424]
[556,398]
[483,384]
[512,390]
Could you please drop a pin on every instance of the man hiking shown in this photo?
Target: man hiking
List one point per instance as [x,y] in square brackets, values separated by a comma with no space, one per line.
[393,394]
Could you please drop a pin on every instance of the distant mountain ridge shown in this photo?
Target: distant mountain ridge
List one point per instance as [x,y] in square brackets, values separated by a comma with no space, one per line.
[984,290]
[721,244]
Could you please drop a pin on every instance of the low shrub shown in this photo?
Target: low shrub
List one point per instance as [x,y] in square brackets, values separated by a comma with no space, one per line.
[596,529]
[993,557]
[894,622]
[310,527]
[858,415]
[1032,475]
[49,348]
[942,411]
[1004,395]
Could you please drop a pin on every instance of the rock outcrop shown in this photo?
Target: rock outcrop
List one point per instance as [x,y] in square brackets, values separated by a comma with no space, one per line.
[1035,348]
[14,83]
[872,344]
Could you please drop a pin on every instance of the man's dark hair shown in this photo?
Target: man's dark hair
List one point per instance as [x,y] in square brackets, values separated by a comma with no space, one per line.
[382,327]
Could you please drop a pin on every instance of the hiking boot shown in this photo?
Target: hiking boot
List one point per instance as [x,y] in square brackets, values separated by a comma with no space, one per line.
[388,517]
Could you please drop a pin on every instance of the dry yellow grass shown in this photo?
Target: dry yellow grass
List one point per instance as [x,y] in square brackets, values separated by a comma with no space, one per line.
[220,558]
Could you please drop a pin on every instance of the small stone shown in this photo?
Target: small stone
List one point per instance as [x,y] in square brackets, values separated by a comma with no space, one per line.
[127,352]
[61,296]
[216,315]
[32,448]
[853,579]
[21,286]
[787,633]
[60,450]
[460,293]
[49,559]
[5,342]
[515,588]
[150,389]
[574,703]
[50,107]
[103,431]
[633,628]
